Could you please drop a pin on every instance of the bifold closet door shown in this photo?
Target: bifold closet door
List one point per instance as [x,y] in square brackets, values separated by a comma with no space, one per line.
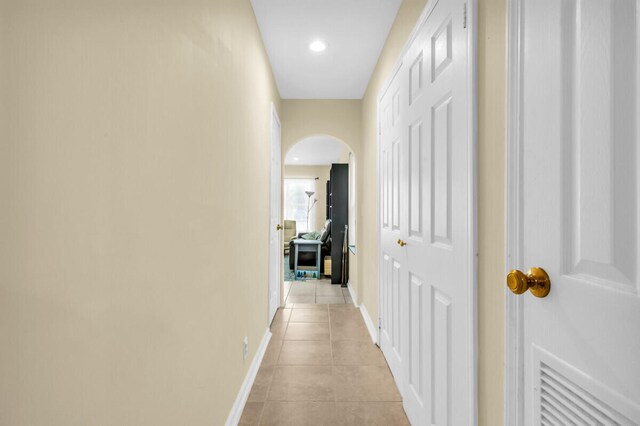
[426,273]
[393,181]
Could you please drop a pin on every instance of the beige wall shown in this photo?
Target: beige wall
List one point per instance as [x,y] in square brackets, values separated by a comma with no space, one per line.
[321,172]
[125,288]
[339,118]
[491,182]
[491,208]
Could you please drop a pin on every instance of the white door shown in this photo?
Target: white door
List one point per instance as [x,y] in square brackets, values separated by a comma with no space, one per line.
[574,212]
[275,241]
[427,210]
[392,262]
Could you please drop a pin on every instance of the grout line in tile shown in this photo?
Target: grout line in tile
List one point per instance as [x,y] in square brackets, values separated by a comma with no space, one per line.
[333,368]
[262,411]
[275,366]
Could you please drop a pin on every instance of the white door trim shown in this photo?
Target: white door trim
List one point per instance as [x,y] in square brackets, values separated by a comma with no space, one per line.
[274,118]
[514,327]
[472,81]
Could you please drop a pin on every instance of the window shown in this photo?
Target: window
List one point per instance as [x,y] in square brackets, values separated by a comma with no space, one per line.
[296,202]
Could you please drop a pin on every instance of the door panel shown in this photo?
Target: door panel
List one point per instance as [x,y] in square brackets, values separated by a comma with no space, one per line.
[416,141]
[395,183]
[602,101]
[441,171]
[395,309]
[417,334]
[579,210]
[442,48]
[416,76]
[385,314]
[391,313]
[440,357]
[386,205]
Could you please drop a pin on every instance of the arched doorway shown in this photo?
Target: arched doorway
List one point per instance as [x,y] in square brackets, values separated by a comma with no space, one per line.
[319,185]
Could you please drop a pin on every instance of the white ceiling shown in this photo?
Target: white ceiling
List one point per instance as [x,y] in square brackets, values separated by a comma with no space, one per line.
[354,30]
[315,151]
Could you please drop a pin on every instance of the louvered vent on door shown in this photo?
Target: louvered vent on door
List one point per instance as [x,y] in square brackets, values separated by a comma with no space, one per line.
[562,402]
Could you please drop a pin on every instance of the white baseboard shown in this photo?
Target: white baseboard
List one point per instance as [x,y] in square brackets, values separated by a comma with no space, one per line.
[352,294]
[373,330]
[243,394]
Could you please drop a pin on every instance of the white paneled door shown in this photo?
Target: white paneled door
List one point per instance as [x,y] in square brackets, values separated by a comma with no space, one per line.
[574,210]
[275,191]
[426,217]
[393,267]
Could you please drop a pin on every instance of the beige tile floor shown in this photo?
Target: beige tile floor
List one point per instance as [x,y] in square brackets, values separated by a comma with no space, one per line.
[321,368]
[315,291]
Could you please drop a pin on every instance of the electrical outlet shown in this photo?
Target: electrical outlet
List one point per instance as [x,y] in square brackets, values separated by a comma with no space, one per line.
[245,347]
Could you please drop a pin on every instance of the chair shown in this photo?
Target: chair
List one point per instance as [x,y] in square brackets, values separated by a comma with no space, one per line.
[290,233]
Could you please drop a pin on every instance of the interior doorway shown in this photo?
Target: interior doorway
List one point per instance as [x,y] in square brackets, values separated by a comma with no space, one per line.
[319,221]
[274,214]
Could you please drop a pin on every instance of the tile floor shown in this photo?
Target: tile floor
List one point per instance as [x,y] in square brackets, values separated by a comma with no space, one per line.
[315,291]
[321,368]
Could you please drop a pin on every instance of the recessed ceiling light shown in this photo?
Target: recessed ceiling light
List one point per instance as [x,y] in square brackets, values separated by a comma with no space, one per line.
[295,159]
[318,46]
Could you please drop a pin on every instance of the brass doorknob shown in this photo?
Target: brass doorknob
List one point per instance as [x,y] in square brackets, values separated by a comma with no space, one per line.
[536,281]
[401,243]
[278,227]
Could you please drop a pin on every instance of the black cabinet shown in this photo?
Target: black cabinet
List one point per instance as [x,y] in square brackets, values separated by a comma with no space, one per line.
[338,212]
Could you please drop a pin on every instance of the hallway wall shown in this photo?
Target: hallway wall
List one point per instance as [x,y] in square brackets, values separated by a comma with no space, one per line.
[339,118]
[132,135]
[491,184]
[492,87]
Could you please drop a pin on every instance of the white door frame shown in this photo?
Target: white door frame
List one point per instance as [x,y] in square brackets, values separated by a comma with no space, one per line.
[514,325]
[273,120]
[472,82]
